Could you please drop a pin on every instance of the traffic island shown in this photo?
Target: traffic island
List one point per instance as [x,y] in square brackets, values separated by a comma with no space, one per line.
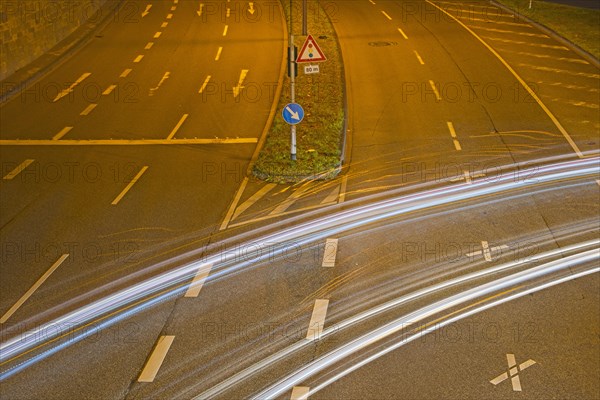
[320,134]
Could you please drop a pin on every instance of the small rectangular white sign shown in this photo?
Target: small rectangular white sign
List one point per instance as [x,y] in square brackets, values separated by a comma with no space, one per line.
[311,69]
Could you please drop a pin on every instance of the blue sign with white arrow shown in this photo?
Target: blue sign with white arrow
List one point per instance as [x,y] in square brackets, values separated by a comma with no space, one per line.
[293,113]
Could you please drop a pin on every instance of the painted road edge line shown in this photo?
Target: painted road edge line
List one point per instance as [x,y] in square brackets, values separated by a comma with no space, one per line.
[330,253]
[198,281]
[32,289]
[317,320]
[156,359]
[18,170]
[128,187]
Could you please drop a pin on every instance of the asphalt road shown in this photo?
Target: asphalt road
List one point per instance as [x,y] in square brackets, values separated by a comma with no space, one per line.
[438,106]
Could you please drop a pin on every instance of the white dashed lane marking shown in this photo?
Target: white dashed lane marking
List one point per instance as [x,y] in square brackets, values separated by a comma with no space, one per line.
[11,175]
[156,359]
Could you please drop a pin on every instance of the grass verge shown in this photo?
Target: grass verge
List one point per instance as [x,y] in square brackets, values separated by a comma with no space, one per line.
[319,136]
[580,26]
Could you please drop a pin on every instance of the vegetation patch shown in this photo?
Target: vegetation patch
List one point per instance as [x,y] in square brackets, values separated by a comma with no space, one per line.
[319,137]
[578,25]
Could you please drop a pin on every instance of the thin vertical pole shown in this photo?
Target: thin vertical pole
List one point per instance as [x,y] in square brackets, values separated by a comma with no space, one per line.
[292,84]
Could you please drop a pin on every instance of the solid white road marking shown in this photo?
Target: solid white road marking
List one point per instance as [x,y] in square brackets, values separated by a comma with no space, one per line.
[174,131]
[204,84]
[317,320]
[109,90]
[419,58]
[300,392]
[88,109]
[253,199]
[31,290]
[156,359]
[287,203]
[125,73]
[17,170]
[198,281]
[138,58]
[435,91]
[513,372]
[234,204]
[343,188]
[330,253]
[402,33]
[62,132]
[332,197]
[386,15]
[124,142]
[68,90]
[218,53]
[129,186]
[225,30]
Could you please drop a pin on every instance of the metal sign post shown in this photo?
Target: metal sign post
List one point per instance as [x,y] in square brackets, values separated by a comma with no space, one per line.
[292,62]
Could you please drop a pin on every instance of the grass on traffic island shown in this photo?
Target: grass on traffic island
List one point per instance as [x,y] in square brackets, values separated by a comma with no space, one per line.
[319,136]
[577,25]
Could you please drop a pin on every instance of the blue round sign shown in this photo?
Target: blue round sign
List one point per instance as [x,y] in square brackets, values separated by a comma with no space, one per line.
[293,113]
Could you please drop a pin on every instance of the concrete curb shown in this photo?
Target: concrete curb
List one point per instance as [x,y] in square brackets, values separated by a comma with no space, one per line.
[26,76]
[581,52]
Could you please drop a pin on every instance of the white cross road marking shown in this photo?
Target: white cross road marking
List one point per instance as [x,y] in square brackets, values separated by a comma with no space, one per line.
[513,372]
[467,177]
[487,250]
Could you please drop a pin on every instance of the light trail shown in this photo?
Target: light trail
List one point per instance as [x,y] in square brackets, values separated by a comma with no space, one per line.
[361,317]
[106,311]
[401,323]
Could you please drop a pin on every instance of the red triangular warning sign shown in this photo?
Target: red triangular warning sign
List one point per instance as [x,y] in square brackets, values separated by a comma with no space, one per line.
[310,52]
